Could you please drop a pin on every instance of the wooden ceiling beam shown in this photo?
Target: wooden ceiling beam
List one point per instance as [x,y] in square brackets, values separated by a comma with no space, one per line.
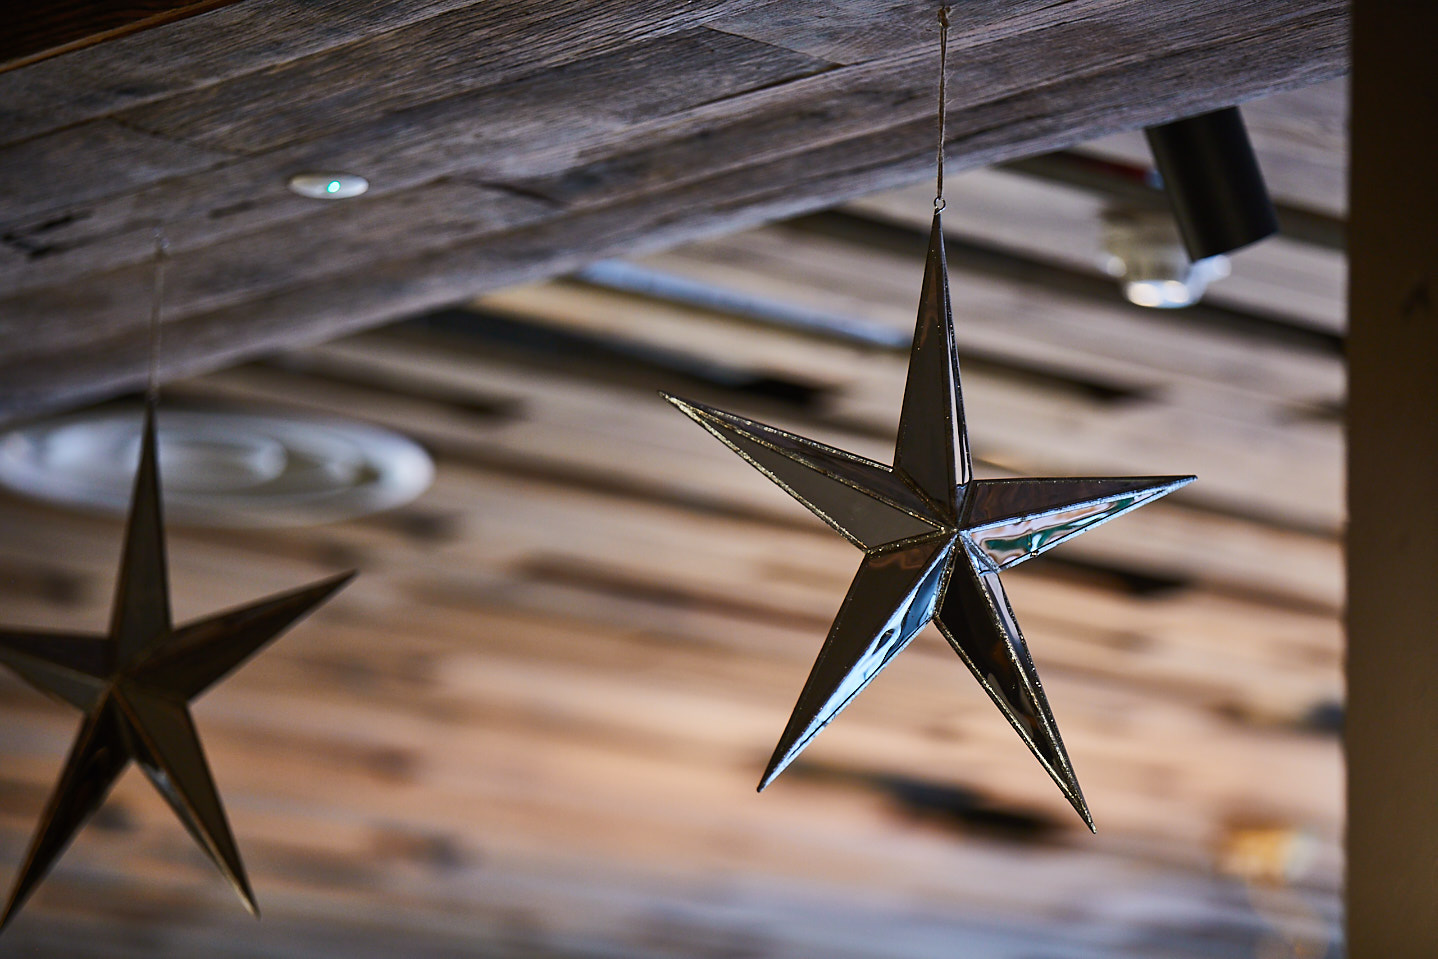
[477,188]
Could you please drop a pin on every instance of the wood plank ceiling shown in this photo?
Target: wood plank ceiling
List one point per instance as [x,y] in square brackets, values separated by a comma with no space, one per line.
[533,726]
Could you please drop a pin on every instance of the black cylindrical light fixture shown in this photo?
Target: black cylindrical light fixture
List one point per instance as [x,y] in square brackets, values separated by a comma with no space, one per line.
[1213,181]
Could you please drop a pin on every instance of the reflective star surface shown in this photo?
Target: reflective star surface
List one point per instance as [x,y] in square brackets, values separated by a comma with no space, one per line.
[934,540]
[134,687]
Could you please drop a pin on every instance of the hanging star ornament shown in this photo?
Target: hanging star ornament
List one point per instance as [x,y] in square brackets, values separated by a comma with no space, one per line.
[135,685]
[934,540]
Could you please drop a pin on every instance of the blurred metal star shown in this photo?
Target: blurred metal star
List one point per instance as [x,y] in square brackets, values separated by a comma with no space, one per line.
[134,687]
[934,540]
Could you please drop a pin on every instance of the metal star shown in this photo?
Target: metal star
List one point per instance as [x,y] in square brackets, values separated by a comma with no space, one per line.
[934,540]
[134,687]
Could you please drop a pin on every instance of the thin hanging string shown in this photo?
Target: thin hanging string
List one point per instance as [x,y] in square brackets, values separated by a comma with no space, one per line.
[939,202]
[157,296]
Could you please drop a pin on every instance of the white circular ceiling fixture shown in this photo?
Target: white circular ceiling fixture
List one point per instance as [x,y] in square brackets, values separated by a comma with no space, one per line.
[219,468]
[328,186]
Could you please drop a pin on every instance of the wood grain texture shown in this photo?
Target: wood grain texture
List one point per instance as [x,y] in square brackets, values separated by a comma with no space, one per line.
[638,125]
[68,25]
[184,57]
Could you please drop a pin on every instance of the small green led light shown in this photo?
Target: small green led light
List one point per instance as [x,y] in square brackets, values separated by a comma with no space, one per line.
[333,186]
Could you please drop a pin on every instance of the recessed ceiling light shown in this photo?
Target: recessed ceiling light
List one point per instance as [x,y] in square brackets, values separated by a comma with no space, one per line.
[328,186]
[220,467]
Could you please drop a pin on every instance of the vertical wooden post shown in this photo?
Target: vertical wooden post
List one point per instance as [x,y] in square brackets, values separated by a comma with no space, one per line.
[1392,723]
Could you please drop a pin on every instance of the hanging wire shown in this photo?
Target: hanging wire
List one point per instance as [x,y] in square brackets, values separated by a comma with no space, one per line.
[939,202]
[157,295]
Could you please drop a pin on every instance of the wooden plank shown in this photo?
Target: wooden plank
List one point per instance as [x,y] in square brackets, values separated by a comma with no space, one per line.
[232,41]
[853,31]
[444,56]
[71,25]
[433,215]
[52,179]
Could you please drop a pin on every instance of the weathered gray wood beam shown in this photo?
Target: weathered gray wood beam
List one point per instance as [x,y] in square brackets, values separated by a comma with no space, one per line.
[524,179]
[245,39]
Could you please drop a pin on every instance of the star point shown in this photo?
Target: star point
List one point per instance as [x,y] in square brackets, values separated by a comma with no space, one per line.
[934,540]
